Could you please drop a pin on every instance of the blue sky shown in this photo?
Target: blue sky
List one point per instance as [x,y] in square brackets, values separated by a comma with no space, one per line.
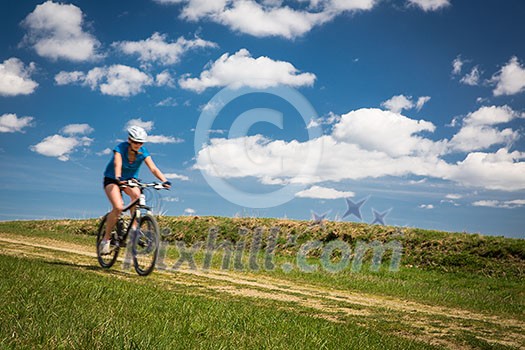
[415,106]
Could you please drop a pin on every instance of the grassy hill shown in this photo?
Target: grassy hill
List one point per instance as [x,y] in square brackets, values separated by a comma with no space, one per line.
[450,290]
[424,249]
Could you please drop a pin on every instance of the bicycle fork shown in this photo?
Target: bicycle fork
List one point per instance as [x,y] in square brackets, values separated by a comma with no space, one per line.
[126,265]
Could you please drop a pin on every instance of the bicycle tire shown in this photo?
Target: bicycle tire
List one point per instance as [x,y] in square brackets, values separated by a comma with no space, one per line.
[107,261]
[145,246]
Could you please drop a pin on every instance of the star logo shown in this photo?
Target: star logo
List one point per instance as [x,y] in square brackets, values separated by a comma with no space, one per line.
[379,218]
[354,208]
[318,219]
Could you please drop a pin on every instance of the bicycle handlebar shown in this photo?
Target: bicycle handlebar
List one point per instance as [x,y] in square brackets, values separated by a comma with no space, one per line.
[136,183]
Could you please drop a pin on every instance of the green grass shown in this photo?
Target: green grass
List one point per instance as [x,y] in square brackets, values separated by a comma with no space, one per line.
[498,295]
[56,305]
[72,231]
[479,273]
[425,249]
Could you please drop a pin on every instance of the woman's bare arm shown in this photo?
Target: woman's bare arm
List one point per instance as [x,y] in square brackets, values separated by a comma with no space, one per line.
[154,170]
[118,164]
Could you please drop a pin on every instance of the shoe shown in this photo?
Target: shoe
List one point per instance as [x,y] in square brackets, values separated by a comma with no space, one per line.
[105,247]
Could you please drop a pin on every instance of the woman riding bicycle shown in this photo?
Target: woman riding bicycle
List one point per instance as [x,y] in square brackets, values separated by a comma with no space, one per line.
[124,165]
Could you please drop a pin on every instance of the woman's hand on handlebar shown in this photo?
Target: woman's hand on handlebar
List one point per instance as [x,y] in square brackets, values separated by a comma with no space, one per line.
[129,182]
[121,181]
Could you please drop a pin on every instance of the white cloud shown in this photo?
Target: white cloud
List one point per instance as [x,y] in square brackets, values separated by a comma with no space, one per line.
[115,80]
[367,143]
[59,146]
[486,203]
[198,9]
[384,131]
[260,158]
[241,69]
[15,78]
[11,123]
[104,152]
[118,80]
[517,203]
[267,180]
[450,201]
[421,101]
[213,159]
[173,176]
[478,133]
[65,78]
[164,79]
[473,137]
[146,125]
[167,102]
[283,162]
[457,65]
[314,123]
[190,211]
[77,129]
[163,139]
[502,170]
[149,126]
[482,99]
[399,103]
[55,31]
[418,182]
[349,5]
[429,5]
[212,106]
[491,115]
[453,196]
[426,206]
[252,18]
[330,119]
[157,48]
[510,79]
[344,160]
[324,193]
[471,78]
[269,18]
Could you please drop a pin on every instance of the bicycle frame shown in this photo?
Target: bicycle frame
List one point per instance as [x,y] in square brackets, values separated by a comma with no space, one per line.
[139,202]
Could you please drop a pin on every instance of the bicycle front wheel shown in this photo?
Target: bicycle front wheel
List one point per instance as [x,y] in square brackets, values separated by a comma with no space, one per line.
[145,247]
[107,260]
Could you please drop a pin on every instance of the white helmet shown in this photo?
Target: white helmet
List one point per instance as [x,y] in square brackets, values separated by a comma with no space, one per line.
[137,134]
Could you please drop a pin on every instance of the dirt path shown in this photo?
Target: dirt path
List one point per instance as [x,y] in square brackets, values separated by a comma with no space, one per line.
[432,324]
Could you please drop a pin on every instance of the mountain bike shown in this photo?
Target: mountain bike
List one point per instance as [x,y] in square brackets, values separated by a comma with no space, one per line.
[144,240]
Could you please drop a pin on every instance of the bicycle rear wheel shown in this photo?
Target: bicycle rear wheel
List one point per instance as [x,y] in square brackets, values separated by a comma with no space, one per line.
[106,261]
[145,246]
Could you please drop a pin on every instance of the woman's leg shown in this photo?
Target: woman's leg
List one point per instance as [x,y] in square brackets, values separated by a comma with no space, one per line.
[115,197]
[134,194]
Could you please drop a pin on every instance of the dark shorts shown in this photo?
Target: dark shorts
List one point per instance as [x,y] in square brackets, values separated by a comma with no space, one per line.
[108,180]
